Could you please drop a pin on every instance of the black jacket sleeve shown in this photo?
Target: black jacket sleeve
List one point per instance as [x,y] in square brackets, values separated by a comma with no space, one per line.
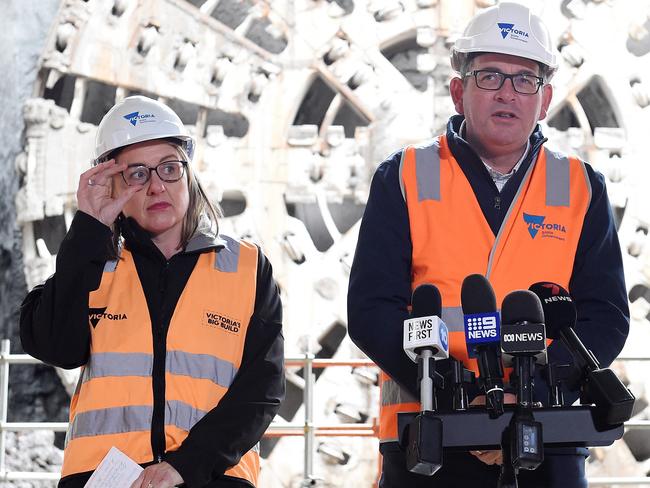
[597,286]
[380,278]
[54,315]
[238,422]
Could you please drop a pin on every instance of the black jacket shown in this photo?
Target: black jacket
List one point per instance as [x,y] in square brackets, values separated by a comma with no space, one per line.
[54,328]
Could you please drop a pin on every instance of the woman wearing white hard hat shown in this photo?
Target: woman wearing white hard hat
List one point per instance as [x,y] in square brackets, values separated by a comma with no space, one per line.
[177,328]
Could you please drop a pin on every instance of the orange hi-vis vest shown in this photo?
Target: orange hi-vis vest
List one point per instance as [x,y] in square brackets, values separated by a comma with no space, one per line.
[113,404]
[451,239]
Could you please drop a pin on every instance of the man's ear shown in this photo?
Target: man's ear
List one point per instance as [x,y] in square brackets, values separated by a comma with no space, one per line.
[456,89]
[547,96]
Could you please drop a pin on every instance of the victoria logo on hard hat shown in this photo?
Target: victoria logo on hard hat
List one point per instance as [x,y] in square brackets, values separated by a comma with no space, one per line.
[135,117]
[514,33]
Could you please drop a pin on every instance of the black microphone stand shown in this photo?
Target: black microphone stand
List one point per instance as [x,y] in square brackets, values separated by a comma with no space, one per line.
[492,385]
[523,445]
[424,449]
[459,378]
[508,474]
[556,375]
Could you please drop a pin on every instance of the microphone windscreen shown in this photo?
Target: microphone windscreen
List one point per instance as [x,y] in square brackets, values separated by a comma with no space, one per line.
[477,295]
[521,306]
[559,309]
[426,301]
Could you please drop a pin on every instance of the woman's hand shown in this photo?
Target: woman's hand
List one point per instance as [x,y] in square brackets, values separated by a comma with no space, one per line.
[95,195]
[161,475]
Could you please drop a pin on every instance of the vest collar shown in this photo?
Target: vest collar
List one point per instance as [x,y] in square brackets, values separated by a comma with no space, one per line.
[457,142]
[204,240]
[138,240]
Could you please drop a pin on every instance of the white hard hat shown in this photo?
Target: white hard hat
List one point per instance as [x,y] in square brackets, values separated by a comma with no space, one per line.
[507,28]
[138,119]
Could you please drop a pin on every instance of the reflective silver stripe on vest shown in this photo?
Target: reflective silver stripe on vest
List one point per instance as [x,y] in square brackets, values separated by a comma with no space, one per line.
[121,420]
[427,170]
[203,366]
[200,366]
[453,318]
[227,257]
[116,420]
[110,266]
[557,179]
[118,364]
[392,394]
[182,415]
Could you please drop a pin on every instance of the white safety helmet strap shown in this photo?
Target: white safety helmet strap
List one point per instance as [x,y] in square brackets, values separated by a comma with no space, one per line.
[139,119]
[507,28]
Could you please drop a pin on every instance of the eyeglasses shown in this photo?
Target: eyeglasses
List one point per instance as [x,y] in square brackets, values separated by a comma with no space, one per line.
[493,80]
[167,171]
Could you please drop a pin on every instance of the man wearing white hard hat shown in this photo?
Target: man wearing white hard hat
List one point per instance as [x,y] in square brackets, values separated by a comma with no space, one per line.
[487,197]
[177,328]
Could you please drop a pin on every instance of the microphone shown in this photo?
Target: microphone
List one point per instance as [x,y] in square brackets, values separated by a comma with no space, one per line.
[523,341]
[481,322]
[600,386]
[425,331]
[561,316]
[425,340]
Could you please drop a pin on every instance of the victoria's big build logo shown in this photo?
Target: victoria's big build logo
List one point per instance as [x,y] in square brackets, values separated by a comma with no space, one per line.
[221,321]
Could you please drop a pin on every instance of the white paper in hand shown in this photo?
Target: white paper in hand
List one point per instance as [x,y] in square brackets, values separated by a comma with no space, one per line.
[117,470]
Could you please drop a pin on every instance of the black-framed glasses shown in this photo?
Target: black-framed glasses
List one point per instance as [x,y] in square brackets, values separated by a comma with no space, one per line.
[523,83]
[168,171]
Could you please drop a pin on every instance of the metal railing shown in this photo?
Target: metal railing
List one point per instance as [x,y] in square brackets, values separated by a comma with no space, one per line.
[307,429]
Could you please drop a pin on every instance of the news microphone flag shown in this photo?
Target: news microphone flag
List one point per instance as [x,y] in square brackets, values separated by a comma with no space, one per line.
[523,332]
[426,332]
[480,329]
[523,339]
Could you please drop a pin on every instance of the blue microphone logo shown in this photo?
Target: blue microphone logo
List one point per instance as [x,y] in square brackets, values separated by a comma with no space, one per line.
[481,328]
